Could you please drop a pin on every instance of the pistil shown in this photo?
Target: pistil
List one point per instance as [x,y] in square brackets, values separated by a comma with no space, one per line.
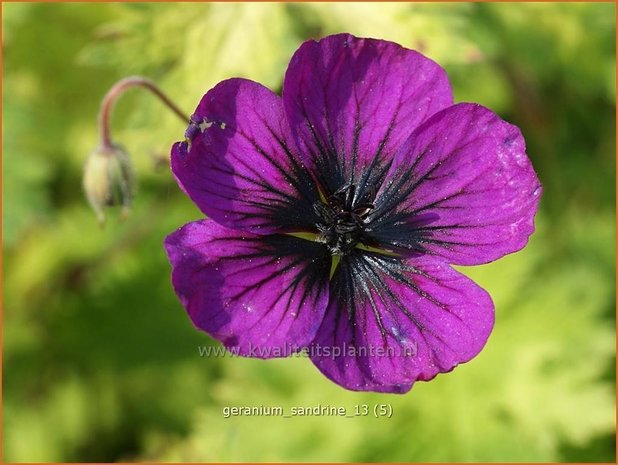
[343,218]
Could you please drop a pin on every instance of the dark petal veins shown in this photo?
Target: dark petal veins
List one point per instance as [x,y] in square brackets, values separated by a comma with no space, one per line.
[396,321]
[240,165]
[262,296]
[352,102]
[462,187]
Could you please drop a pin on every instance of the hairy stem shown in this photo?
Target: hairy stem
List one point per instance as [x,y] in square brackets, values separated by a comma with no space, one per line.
[107,105]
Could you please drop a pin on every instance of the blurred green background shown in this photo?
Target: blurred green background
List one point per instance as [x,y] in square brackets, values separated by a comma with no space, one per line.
[100,361]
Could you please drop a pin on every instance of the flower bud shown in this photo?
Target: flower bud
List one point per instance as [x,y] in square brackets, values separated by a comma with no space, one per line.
[108,180]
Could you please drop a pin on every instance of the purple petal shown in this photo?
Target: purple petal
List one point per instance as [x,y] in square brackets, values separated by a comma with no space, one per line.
[352,102]
[262,296]
[395,321]
[239,164]
[462,187]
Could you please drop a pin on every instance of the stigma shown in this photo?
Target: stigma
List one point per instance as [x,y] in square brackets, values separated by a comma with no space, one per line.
[343,217]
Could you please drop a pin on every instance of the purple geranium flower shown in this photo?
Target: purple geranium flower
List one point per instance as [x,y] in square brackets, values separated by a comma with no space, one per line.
[336,210]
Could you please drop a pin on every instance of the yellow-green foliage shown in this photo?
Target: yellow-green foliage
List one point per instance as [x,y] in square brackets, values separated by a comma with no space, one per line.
[100,360]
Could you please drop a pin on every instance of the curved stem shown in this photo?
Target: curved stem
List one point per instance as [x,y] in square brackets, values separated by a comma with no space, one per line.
[116,91]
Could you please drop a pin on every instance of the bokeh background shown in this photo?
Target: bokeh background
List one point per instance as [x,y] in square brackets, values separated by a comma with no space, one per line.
[100,362]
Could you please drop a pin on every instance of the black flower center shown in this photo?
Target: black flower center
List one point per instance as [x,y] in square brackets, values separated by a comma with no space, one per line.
[343,217]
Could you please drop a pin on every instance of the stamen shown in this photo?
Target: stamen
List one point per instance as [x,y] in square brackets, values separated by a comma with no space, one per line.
[342,218]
